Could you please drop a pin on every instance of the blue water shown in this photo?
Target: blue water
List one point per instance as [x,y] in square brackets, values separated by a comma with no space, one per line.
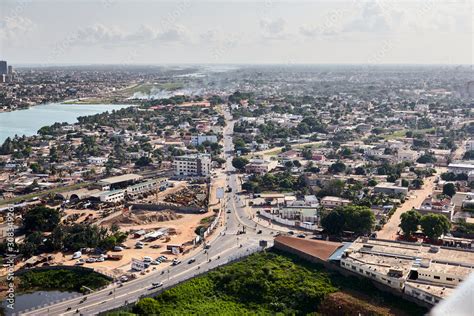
[29,300]
[28,122]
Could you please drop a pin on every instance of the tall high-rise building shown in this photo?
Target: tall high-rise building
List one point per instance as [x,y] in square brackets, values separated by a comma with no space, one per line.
[10,70]
[3,67]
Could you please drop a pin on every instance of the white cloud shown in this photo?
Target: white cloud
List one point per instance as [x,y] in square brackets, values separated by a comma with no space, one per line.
[99,34]
[375,17]
[12,28]
[274,29]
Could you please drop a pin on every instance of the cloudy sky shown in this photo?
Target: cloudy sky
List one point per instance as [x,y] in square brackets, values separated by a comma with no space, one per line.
[266,31]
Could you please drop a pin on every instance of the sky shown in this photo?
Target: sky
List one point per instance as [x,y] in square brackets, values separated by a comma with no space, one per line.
[236,32]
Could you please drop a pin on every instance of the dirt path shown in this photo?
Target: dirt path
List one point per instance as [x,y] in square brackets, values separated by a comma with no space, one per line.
[389,230]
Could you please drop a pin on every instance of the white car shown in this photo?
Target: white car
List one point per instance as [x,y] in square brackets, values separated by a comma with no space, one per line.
[91,260]
[147,259]
[123,278]
[77,255]
[156,285]
[118,248]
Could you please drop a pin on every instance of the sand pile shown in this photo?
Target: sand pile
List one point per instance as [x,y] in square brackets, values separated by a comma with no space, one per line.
[138,217]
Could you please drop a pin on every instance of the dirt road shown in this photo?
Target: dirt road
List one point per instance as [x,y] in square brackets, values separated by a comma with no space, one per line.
[389,231]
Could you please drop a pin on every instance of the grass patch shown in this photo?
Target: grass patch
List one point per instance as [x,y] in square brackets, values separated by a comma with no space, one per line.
[64,280]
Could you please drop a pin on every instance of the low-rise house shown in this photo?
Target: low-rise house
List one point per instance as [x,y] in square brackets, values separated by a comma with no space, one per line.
[260,166]
[390,189]
[433,205]
[334,201]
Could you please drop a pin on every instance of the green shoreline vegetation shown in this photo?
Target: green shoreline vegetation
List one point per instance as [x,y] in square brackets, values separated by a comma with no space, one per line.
[62,279]
[273,283]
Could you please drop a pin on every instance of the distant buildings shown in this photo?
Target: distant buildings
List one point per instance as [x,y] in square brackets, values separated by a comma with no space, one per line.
[3,67]
[6,72]
[192,165]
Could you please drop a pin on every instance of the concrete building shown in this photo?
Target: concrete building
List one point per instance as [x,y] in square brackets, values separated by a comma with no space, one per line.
[192,165]
[334,201]
[436,206]
[146,187]
[119,181]
[428,273]
[470,145]
[407,155]
[3,67]
[390,189]
[260,166]
[197,140]
[97,160]
[458,168]
[113,196]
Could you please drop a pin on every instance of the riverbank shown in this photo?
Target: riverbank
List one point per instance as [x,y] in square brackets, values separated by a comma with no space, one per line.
[27,122]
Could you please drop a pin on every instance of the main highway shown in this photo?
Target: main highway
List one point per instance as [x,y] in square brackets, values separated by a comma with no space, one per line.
[227,243]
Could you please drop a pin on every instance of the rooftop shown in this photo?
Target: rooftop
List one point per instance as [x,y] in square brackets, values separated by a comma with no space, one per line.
[122,178]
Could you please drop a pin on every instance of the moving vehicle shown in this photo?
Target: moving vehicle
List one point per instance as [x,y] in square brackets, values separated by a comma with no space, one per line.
[155,285]
[191,260]
[175,262]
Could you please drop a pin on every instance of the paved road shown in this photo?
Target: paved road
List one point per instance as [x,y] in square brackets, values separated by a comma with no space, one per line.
[226,246]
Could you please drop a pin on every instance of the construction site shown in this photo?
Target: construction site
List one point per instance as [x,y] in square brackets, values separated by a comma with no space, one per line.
[165,222]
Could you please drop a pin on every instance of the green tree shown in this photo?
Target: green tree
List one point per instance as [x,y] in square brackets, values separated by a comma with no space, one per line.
[409,222]
[147,306]
[41,218]
[449,189]
[434,225]
[239,163]
[337,167]
[333,222]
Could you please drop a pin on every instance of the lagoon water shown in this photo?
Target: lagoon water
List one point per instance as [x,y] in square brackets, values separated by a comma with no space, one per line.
[28,122]
[29,300]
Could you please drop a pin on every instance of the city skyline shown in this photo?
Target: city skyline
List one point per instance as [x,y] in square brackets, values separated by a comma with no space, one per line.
[237,32]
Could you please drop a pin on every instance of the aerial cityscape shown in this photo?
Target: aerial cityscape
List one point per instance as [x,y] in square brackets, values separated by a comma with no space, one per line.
[236,157]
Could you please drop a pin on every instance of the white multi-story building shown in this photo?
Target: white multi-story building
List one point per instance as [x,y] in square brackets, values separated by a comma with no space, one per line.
[197,140]
[428,273]
[470,145]
[97,160]
[192,165]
